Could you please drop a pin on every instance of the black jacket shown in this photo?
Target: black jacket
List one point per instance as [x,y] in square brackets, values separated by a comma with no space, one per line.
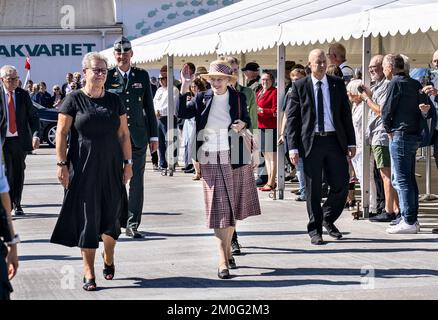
[400,111]
[28,122]
[301,115]
[199,107]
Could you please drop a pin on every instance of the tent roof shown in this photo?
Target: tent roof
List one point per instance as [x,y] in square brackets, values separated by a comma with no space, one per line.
[254,25]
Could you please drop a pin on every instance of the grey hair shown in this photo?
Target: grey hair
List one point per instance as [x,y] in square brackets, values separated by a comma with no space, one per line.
[353,85]
[389,60]
[90,56]
[407,63]
[7,70]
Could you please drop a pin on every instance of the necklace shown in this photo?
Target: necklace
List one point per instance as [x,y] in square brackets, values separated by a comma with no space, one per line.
[94,97]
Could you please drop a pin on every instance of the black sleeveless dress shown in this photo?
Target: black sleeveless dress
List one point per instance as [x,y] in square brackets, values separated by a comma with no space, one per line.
[96,197]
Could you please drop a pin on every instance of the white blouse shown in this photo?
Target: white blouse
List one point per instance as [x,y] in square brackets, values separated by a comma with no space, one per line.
[216,130]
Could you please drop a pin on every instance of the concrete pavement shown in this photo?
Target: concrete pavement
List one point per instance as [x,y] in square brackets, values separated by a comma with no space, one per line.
[177,259]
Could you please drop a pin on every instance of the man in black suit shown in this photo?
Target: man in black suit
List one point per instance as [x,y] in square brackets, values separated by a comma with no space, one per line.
[22,130]
[320,129]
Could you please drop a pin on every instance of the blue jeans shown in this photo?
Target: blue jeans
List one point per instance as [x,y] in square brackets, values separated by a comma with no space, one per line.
[301,178]
[403,148]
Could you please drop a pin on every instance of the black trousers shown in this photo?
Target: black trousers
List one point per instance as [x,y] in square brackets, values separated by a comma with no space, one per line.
[136,187]
[327,155]
[15,165]
[162,142]
[380,191]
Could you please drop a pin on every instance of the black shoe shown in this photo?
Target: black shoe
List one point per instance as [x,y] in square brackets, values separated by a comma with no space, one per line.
[19,211]
[332,230]
[300,199]
[297,192]
[188,167]
[192,170]
[288,178]
[372,214]
[235,248]
[133,233]
[223,274]
[383,217]
[232,263]
[317,240]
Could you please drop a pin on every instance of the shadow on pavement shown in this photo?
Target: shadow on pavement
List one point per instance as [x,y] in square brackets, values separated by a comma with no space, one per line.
[52,257]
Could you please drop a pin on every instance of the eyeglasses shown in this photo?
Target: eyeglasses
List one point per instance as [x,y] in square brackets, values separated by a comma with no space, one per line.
[56,89]
[11,79]
[99,71]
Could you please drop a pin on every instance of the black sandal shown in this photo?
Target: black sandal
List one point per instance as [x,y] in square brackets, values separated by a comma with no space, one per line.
[89,284]
[108,271]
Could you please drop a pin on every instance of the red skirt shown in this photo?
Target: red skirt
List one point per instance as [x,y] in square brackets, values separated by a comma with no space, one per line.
[229,194]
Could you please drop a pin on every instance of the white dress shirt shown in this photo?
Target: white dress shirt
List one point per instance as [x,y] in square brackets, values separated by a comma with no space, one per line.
[161,101]
[328,117]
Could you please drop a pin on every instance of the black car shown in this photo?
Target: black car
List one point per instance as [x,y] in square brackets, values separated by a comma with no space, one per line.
[49,121]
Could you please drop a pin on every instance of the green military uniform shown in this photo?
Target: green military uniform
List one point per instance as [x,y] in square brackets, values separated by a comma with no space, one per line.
[136,95]
[252,105]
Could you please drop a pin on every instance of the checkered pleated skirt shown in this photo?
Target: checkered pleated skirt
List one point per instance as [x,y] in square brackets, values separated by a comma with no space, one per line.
[229,194]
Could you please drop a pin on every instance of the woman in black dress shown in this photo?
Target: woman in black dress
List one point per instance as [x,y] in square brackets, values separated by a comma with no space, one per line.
[94,170]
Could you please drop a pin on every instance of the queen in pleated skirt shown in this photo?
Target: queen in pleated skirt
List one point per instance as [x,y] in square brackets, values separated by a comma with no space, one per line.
[230,192]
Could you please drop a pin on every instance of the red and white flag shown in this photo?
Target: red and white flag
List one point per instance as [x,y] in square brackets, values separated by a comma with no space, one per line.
[27,63]
[27,67]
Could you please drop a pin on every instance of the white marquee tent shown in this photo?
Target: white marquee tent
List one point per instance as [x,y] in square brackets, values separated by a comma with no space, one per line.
[256,27]
[267,31]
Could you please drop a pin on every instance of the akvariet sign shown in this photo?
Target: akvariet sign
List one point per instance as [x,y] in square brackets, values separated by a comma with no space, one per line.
[51,50]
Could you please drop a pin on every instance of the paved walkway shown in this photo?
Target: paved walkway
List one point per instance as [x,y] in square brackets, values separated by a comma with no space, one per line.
[177,259]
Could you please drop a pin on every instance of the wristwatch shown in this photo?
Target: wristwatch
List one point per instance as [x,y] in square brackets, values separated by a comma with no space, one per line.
[15,240]
[61,163]
[128,161]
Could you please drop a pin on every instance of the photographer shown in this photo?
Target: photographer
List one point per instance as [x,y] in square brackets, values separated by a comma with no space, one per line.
[431,91]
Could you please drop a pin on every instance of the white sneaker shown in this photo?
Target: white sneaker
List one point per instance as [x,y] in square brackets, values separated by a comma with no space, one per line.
[403,228]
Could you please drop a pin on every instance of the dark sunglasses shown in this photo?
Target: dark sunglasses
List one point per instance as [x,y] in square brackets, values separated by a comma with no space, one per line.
[161,78]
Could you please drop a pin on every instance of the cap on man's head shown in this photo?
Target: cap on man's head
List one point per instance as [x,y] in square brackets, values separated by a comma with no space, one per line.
[251,66]
[122,44]
[288,65]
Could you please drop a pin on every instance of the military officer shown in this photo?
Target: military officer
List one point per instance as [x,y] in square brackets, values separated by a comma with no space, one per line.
[134,88]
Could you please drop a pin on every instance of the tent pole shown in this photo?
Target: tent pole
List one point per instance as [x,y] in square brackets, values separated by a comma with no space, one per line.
[365,190]
[428,196]
[171,132]
[242,78]
[281,53]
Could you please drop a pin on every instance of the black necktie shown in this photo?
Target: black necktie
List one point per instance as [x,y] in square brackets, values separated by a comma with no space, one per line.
[320,107]
[125,80]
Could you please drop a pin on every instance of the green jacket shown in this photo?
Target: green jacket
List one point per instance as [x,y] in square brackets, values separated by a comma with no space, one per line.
[137,98]
[251,104]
